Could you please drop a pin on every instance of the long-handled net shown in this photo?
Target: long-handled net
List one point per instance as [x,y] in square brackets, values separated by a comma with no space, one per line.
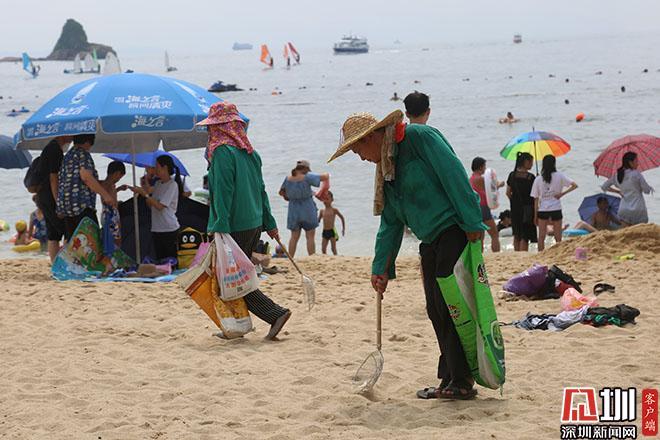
[370,370]
[307,283]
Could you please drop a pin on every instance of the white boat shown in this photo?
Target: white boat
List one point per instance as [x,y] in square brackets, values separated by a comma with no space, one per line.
[91,64]
[111,65]
[77,65]
[351,44]
[169,68]
[517,38]
[242,46]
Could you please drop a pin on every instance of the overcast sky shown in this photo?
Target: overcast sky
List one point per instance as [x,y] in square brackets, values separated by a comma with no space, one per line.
[202,26]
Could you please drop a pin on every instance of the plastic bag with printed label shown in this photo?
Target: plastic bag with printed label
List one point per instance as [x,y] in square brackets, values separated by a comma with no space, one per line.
[236,274]
[573,300]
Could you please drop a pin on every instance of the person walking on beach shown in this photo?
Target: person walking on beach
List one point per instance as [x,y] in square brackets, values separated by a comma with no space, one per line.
[49,168]
[163,200]
[629,183]
[478,184]
[418,107]
[547,190]
[518,190]
[238,201]
[329,214]
[78,185]
[302,212]
[423,186]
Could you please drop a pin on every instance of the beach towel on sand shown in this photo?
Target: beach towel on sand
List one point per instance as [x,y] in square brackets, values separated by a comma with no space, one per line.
[471,307]
[201,283]
[82,257]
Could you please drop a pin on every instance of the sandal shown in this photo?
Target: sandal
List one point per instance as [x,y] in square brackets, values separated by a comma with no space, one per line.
[603,287]
[458,391]
[433,392]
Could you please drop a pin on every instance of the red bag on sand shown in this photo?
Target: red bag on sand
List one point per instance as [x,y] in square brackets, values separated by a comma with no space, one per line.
[561,287]
[573,300]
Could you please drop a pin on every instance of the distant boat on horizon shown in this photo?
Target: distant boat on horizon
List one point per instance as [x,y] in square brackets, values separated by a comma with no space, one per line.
[169,68]
[241,46]
[289,51]
[350,44]
[517,39]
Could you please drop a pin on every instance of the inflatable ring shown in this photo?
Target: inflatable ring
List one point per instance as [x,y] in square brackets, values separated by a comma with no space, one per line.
[575,232]
[32,246]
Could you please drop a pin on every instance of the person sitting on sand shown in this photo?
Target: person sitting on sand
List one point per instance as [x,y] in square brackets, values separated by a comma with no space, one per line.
[424,169]
[22,235]
[418,107]
[602,220]
[505,220]
[329,214]
[509,119]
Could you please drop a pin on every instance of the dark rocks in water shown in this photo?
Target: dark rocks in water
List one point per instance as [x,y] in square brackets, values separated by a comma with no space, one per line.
[73,40]
[219,87]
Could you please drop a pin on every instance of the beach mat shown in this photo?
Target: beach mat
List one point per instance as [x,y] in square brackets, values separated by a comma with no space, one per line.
[162,279]
[82,257]
[471,307]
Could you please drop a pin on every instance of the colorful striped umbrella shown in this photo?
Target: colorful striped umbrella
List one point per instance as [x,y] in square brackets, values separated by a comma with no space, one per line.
[537,143]
[646,146]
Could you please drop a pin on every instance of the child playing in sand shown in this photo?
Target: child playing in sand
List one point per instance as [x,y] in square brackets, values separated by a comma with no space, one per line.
[329,214]
[110,216]
[37,226]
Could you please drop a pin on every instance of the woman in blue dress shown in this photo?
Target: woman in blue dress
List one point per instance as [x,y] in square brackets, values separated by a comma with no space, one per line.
[303,214]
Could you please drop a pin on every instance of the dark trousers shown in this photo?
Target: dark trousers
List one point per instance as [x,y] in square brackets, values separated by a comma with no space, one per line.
[71,223]
[438,260]
[165,244]
[257,302]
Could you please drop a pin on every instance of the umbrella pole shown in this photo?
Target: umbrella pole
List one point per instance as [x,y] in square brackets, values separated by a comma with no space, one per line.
[136,220]
[536,155]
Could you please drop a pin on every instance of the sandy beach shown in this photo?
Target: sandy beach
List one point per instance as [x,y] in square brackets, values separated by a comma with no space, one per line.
[137,361]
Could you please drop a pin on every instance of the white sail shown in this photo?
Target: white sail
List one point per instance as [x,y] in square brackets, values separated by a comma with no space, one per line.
[90,64]
[77,64]
[112,65]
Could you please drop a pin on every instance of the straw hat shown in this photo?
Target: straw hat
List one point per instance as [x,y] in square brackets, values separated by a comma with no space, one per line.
[221,113]
[359,125]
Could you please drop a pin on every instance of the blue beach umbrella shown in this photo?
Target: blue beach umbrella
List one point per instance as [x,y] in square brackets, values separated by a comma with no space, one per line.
[128,113]
[10,157]
[589,206]
[144,160]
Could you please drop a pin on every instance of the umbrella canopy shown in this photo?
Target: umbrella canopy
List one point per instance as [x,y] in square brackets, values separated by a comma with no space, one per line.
[10,157]
[589,206]
[128,112]
[646,146]
[537,143]
[144,160]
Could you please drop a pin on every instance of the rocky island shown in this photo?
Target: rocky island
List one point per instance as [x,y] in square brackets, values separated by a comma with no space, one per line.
[73,40]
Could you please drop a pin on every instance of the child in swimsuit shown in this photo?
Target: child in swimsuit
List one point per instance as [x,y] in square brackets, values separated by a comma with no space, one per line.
[328,214]
[37,227]
[110,216]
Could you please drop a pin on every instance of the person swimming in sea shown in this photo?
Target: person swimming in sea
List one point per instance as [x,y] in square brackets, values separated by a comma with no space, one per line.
[395,97]
[509,119]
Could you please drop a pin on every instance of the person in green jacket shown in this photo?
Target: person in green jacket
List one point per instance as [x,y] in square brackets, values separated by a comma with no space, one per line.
[421,184]
[237,198]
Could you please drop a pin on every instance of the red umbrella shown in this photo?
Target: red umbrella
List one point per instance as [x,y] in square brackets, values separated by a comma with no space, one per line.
[646,146]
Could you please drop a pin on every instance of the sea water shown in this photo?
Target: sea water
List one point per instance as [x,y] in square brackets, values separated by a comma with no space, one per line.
[471,87]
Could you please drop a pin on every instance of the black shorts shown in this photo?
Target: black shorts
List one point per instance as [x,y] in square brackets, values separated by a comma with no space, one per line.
[328,234]
[54,224]
[485,213]
[550,215]
[71,223]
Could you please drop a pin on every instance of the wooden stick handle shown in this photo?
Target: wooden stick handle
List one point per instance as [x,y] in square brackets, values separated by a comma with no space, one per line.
[379,328]
[286,252]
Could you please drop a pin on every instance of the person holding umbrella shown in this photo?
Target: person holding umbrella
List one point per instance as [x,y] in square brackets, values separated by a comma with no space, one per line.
[239,204]
[420,183]
[547,190]
[629,183]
